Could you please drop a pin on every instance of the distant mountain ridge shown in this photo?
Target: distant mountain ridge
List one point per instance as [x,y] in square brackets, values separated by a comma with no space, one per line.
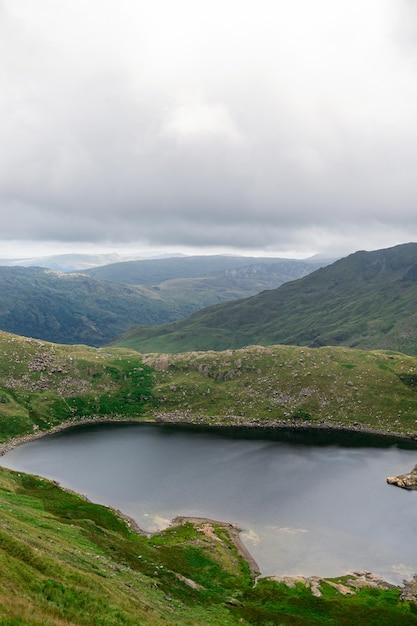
[66,262]
[78,308]
[155,271]
[366,300]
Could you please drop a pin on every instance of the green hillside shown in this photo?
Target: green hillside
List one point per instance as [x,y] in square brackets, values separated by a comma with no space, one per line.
[366,300]
[279,386]
[65,561]
[43,385]
[73,308]
[76,308]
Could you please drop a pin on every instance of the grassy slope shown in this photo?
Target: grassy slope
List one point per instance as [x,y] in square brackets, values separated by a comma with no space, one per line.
[283,385]
[66,561]
[43,385]
[367,300]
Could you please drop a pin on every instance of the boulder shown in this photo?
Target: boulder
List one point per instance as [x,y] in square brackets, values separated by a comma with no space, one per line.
[405,481]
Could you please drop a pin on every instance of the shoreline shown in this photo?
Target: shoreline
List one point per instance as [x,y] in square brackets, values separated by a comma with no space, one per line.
[177,419]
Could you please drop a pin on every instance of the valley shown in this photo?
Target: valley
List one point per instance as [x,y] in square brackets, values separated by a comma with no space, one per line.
[93,307]
[366,300]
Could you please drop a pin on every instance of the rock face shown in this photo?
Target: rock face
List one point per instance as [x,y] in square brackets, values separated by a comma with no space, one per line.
[405,481]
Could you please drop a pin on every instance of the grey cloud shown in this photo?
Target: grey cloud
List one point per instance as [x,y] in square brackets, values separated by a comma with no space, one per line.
[266,157]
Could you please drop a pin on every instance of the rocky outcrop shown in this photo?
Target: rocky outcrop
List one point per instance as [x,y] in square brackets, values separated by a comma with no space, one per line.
[405,481]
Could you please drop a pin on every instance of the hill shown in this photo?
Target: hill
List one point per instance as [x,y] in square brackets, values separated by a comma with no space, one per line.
[366,300]
[77,308]
[155,271]
[73,308]
[44,385]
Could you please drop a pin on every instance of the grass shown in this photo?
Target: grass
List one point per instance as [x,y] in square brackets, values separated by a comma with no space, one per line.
[43,385]
[67,561]
[288,386]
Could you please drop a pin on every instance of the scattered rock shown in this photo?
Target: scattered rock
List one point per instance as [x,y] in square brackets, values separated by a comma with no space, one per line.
[189,582]
[409,593]
[405,481]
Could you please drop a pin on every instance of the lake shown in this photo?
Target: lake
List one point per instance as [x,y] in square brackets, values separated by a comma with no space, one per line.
[309,502]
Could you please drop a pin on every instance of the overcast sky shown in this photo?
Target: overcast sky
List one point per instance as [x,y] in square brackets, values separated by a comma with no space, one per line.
[284,127]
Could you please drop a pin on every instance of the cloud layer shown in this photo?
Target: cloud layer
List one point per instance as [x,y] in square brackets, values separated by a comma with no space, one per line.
[274,125]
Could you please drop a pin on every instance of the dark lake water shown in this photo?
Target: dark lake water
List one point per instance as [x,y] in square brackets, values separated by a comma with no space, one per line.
[307,505]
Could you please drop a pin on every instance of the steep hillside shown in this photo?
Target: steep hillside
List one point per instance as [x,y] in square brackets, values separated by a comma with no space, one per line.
[67,561]
[73,308]
[366,300]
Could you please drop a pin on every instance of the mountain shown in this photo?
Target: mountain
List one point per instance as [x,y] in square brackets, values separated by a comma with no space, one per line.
[366,300]
[73,308]
[79,308]
[156,271]
[65,262]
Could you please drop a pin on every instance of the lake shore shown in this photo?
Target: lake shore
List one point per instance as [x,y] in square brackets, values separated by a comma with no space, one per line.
[230,422]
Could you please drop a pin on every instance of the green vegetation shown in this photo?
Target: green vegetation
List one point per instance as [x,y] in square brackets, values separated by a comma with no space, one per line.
[288,385]
[43,385]
[76,308]
[366,300]
[65,560]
